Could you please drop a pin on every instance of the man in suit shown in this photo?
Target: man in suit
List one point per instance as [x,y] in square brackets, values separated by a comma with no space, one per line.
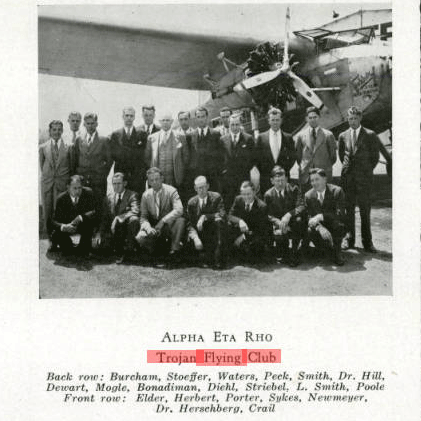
[161,216]
[324,204]
[74,214]
[224,126]
[127,149]
[286,213]
[148,114]
[359,154]
[74,120]
[207,151]
[120,220]
[239,159]
[207,222]
[93,160]
[274,147]
[168,150]
[250,228]
[55,163]
[316,148]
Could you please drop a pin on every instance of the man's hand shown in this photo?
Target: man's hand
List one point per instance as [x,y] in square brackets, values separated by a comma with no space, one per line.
[116,220]
[239,240]
[96,241]
[313,222]
[243,226]
[325,234]
[159,225]
[284,223]
[69,228]
[200,222]
[76,221]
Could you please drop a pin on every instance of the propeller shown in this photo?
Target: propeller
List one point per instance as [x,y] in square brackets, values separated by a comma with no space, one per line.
[265,66]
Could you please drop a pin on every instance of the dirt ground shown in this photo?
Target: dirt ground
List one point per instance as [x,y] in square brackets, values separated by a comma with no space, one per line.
[362,274]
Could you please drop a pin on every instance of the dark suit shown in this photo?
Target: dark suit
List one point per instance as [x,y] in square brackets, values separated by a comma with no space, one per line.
[186,190]
[357,178]
[213,232]
[208,157]
[128,156]
[128,211]
[239,159]
[286,158]
[142,128]
[333,213]
[66,212]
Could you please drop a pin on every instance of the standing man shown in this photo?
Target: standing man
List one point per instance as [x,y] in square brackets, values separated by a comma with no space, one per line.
[224,114]
[239,158]
[207,222]
[274,147]
[207,151]
[167,150]
[120,220]
[161,215]
[74,214]
[359,154]
[93,160]
[74,120]
[127,149]
[55,164]
[316,148]
[285,208]
[148,113]
[325,208]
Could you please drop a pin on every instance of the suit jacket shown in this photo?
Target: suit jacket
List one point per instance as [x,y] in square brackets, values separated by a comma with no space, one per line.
[129,207]
[322,156]
[66,211]
[278,206]
[142,128]
[239,159]
[55,173]
[223,131]
[214,207]
[170,207]
[180,153]
[92,161]
[207,153]
[286,157]
[333,205]
[257,219]
[358,167]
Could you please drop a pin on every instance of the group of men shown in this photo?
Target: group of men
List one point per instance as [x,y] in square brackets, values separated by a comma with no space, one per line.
[191,187]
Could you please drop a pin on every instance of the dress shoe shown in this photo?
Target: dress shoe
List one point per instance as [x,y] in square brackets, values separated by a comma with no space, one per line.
[370,248]
[294,260]
[119,259]
[348,243]
[53,248]
[338,259]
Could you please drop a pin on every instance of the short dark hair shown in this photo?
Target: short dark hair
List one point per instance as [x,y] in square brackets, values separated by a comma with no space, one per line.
[54,123]
[76,113]
[355,111]
[223,109]
[148,107]
[75,178]
[120,174]
[202,110]
[90,115]
[318,171]
[274,111]
[154,170]
[312,109]
[183,112]
[277,170]
[246,184]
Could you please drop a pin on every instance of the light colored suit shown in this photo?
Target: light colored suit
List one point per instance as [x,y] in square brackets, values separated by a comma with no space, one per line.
[323,155]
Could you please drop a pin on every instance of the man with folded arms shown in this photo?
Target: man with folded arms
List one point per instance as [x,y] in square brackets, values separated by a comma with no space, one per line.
[325,208]
[161,216]
[73,217]
[285,208]
[206,222]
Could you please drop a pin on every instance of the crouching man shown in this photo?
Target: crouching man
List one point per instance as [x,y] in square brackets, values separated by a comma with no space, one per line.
[74,218]
[120,220]
[250,227]
[285,208]
[161,216]
[206,222]
[325,208]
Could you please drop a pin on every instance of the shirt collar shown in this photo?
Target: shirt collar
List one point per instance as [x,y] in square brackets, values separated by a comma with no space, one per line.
[273,133]
[73,198]
[128,129]
[280,191]
[204,130]
[91,136]
[250,205]
[314,128]
[321,193]
[59,142]
[120,194]
[357,131]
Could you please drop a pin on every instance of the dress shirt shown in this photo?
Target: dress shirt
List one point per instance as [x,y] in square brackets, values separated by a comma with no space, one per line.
[90,137]
[235,138]
[321,196]
[275,141]
[280,192]
[203,131]
[357,133]
[202,202]
[128,131]
[59,142]
[249,206]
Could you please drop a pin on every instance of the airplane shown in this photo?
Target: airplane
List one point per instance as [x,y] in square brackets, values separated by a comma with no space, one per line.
[345,62]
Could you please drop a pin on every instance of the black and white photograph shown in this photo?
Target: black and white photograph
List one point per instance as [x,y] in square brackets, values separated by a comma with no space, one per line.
[215,150]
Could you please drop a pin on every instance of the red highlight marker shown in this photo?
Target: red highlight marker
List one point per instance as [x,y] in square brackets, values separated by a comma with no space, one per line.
[200,356]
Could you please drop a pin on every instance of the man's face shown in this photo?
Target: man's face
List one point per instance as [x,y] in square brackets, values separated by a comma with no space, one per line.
[318,182]
[279,181]
[354,121]
[155,180]
[166,123]
[202,119]
[184,121]
[201,188]
[313,119]
[56,131]
[225,118]
[128,117]
[148,116]
[75,188]
[90,125]
[119,185]
[235,125]
[74,122]
[275,121]
[247,194]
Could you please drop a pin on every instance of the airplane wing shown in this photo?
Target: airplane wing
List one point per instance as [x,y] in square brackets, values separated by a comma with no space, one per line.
[141,56]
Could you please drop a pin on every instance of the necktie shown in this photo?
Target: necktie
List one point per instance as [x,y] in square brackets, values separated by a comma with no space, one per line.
[320,197]
[74,137]
[248,207]
[354,140]
[277,146]
[313,138]
[55,151]
[117,206]
[156,197]
[76,201]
